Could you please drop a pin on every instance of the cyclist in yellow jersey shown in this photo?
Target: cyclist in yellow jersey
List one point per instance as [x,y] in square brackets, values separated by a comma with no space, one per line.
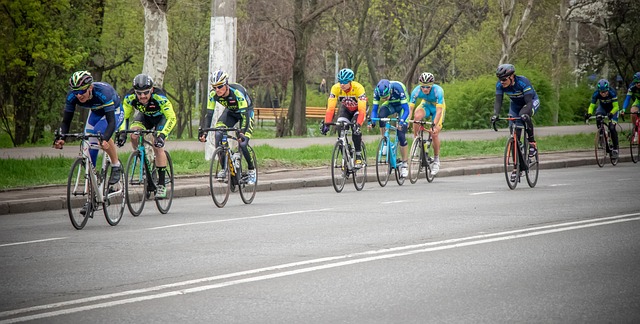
[353,107]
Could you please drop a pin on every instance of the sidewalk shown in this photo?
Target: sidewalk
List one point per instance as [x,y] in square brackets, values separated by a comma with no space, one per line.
[54,197]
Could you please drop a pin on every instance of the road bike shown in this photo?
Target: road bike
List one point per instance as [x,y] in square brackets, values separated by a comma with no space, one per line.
[516,155]
[420,158]
[386,157]
[634,138]
[141,175]
[221,184]
[343,159]
[603,143]
[88,189]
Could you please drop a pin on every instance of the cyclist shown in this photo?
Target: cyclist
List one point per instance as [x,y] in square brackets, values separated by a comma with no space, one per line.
[150,108]
[105,116]
[239,109]
[353,106]
[608,106]
[394,97]
[524,100]
[433,106]
[633,98]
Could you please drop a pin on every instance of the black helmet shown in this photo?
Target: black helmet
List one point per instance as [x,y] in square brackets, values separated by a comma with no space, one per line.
[505,70]
[142,82]
[603,85]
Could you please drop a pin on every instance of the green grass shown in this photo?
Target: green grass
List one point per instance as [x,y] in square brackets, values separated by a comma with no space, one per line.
[46,170]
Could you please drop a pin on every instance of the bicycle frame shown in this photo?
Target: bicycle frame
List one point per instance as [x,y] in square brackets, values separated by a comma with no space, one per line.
[391,156]
[517,163]
[98,186]
[143,156]
[603,136]
[344,131]
[422,145]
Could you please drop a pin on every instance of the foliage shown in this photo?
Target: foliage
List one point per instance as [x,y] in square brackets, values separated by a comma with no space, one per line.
[469,103]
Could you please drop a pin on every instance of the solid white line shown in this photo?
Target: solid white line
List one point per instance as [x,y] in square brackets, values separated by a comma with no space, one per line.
[481,193]
[36,241]
[241,219]
[558,185]
[394,202]
[369,256]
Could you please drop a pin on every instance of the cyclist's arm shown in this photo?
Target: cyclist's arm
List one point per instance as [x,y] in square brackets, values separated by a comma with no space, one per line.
[616,107]
[627,101]
[67,115]
[211,107]
[111,124]
[497,105]
[247,120]
[167,110]
[332,102]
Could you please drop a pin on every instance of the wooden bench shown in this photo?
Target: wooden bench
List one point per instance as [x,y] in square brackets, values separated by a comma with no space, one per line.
[262,114]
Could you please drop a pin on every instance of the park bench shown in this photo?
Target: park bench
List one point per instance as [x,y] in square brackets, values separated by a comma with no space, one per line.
[262,114]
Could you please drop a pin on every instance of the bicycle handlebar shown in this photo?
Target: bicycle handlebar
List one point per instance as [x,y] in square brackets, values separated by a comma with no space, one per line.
[136,131]
[83,136]
[503,118]
[385,119]
[340,123]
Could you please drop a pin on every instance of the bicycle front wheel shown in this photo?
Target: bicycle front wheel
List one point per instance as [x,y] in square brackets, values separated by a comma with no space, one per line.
[383,167]
[248,190]
[532,166]
[415,160]
[79,185]
[600,148]
[338,168]
[114,198]
[219,177]
[511,169]
[164,204]
[633,143]
[135,184]
[360,174]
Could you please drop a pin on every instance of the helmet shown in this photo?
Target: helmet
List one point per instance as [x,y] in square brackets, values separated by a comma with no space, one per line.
[142,82]
[505,70]
[636,77]
[383,88]
[425,78]
[345,76]
[603,85]
[219,78]
[80,80]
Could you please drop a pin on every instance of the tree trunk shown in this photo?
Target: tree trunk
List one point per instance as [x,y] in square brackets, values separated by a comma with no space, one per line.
[156,39]
[508,41]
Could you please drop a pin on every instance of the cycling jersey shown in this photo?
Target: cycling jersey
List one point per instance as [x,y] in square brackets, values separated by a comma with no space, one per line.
[104,99]
[608,104]
[397,101]
[158,105]
[633,97]
[352,100]
[237,102]
[430,102]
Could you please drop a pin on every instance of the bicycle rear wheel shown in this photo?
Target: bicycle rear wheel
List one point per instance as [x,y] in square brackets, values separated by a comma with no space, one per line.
[360,175]
[338,168]
[247,190]
[219,186]
[511,169]
[135,184]
[114,198]
[600,147]
[79,184]
[633,143]
[532,165]
[383,167]
[415,160]
[164,204]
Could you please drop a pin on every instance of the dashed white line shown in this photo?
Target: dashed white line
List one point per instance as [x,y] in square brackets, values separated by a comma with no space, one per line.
[35,241]
[481,193]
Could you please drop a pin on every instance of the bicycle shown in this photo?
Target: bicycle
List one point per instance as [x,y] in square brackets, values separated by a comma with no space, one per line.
[516,155]
[634,138]
[386,157]
[343,159]
[220,185]
[139,186]
[89,184]
[603,143]
[420,157]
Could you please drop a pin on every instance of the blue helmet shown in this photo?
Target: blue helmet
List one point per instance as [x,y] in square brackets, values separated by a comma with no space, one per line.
[345,76]
[603,85]
[636,77]
[383,89]
[505,70]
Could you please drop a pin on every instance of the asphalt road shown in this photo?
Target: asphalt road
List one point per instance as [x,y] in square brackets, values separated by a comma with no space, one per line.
[461,249]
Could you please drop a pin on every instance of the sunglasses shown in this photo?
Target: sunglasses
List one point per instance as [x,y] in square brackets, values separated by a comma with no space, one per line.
[504,79]
[343,83]
[219,87]
[426,87]
[80,92]
[143,92]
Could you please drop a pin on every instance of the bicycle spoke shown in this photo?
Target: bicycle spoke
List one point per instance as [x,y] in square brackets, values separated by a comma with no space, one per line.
[114,198]
[248,190]
[79,194]
[219,180]
[338,168]
[135,184]
[164,204]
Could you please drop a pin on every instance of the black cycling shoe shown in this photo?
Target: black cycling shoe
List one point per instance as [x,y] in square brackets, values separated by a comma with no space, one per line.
[116,172]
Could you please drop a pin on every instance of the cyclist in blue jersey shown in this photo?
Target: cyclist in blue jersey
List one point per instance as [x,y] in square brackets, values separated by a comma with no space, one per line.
[393,95]
[524,100]
[105,117]
[633,98]
[608,106]
[432,105]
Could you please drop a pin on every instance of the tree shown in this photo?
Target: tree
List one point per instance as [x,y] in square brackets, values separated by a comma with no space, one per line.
[156,39]
[508,8]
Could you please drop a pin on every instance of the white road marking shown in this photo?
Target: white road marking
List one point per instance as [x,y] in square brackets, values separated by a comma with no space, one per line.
[394,202]
[558,184]
[36,241]
[280,270]
[481,193]
[241,219]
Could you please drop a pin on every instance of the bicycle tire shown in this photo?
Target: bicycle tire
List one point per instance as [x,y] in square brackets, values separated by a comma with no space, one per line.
[383,167]
[600,147]
[511,163]
[164,204]
[429,152]
[338,167]
[135,184]
[614,161]
[114,197]
[248,191]
[532,165]
[415,160]
[78,180]
[360,175]
[634,139]
[219,187]
[398,170]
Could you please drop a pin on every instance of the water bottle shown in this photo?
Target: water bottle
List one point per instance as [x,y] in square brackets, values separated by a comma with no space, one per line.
[236,160]
[148,151]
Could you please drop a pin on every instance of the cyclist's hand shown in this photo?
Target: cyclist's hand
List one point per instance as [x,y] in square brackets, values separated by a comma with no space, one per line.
[202,135]
[58,144]
[610,116]
[243,140]
[324,129]
[494,119]
[122,138]
[159,142]
[104,144]
[587,116]
[370,125]
[622,115]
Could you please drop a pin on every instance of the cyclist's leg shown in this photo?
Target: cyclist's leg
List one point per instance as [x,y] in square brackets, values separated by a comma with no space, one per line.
[634,109]
[383,112]
[161,158]
[614,131]
[419,114]
[137,123]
